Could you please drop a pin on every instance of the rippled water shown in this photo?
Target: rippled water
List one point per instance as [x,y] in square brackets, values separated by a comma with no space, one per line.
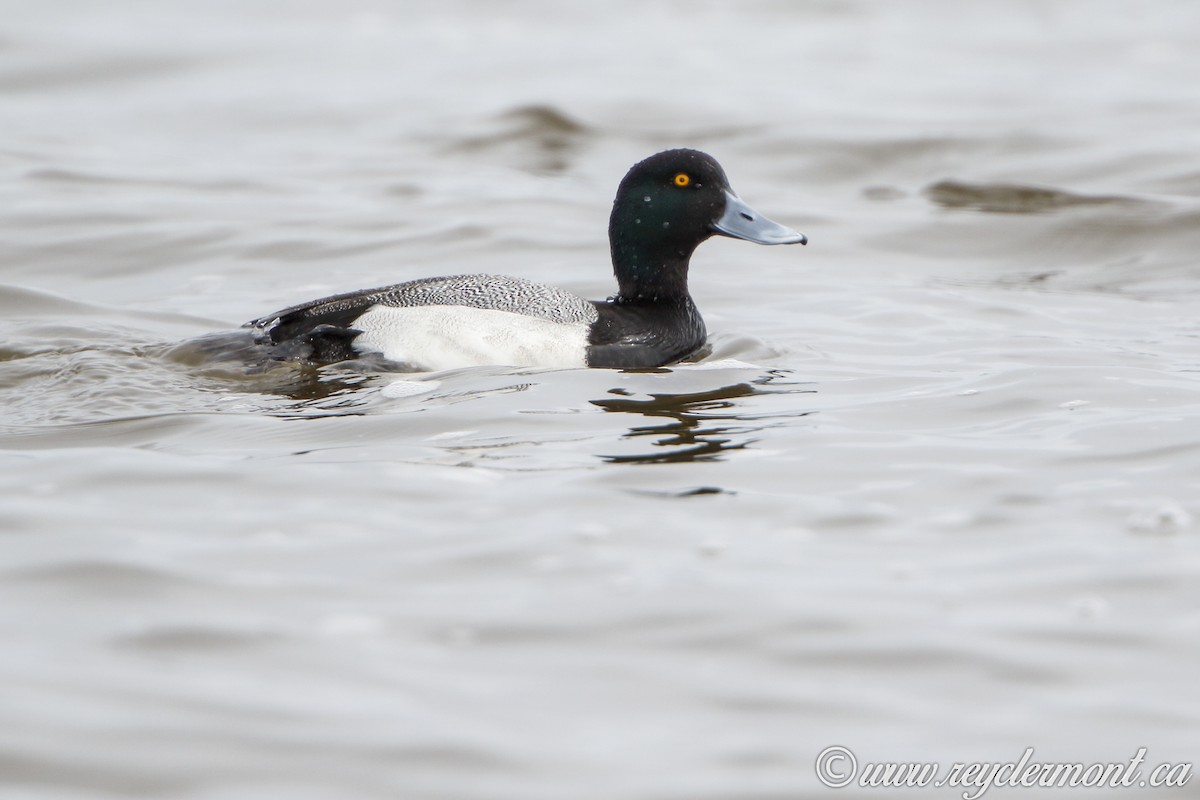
[931,496]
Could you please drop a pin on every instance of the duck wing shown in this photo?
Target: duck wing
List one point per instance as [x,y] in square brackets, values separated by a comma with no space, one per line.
[492,292]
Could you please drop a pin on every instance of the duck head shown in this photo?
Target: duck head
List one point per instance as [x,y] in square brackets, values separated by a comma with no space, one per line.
[665,207]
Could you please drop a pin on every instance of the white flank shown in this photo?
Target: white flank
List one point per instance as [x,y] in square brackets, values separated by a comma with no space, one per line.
[449,337]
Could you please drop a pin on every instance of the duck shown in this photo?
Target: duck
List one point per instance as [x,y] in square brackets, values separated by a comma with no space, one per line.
[665,207]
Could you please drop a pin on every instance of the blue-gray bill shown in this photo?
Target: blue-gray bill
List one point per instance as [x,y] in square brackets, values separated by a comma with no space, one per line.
[742,222]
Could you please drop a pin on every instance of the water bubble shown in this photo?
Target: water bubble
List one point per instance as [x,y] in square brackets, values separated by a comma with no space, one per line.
[408,388]
[592,531]
[1160,516]
[1089,606]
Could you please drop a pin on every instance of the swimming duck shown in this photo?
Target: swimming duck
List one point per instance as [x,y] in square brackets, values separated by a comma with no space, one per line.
[665,207]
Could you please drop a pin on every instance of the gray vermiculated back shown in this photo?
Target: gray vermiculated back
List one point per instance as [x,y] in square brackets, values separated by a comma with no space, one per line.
[494,292]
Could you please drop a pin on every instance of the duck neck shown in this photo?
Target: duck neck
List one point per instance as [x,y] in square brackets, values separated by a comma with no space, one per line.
[647,273]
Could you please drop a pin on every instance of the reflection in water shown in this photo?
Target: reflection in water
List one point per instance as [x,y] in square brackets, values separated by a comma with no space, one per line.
[230,362]
[291,393]
[316,395]
[1012,198]
[699,426]
[541,139]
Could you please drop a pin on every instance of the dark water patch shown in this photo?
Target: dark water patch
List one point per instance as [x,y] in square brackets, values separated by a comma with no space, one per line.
[58,777]
[322,395]
[539,138]
[107,579]
[883,194]
[887,159]
[1045,280]
[1012,198]
[232,364]
[702,136]
[72,176]
[75,177]
[405,191]
[313,393]
[88,73]
[693,491]
[684,434]
[236,360]
[73,222]
[1135,247]
[196,638]
[697,426]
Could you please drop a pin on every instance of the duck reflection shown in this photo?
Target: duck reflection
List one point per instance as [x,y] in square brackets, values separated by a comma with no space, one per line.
[697,426]
[318,395]
[232,362]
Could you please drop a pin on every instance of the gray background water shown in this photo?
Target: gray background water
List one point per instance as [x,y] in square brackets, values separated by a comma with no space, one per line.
[932,496]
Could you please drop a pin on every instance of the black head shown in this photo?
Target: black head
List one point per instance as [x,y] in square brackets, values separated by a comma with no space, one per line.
[665,207]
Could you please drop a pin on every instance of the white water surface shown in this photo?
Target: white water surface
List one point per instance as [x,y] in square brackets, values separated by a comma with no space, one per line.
[932,496]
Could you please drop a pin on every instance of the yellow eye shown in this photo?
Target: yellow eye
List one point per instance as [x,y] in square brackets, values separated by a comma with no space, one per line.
[683,179]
